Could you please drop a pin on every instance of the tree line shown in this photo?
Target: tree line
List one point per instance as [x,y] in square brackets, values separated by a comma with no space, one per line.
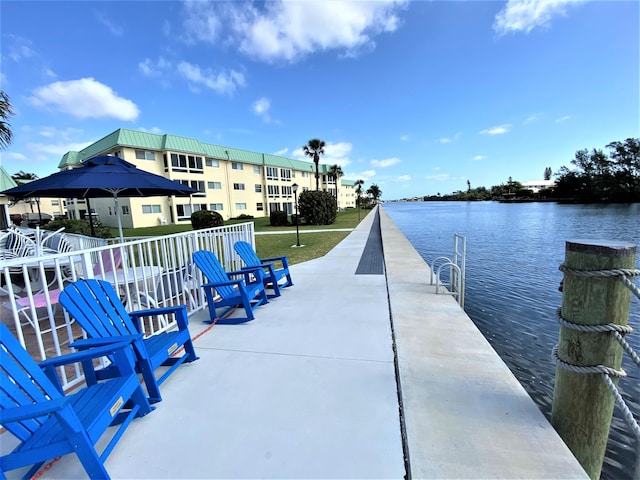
[595,176]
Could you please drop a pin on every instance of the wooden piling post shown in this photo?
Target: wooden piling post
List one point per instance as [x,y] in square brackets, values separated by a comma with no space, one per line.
[582,403]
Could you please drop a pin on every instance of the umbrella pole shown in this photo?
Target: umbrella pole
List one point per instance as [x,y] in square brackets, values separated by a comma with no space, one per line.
[93,233]
[115,201]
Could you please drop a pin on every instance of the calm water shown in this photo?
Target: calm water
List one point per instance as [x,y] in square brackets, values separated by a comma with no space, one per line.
[513,254]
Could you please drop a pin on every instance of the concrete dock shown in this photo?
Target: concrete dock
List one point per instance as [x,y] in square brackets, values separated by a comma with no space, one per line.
[357,371]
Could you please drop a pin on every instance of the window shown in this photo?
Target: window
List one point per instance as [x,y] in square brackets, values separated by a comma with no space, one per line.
[287,191]
[236,166]
[215,206]
[55,203]
[305,174]
[195,163]
[285,174]
[256,169]
[241,206]
[258,188]
[272,173]
[287,208]
[273,207]
[214,185]
[185,210]
[273,190]
[145,155]
[212,162]
[179,162]
[260,207]
[125,210]
[151,209]
[305,189]
[196,184]
[238,186]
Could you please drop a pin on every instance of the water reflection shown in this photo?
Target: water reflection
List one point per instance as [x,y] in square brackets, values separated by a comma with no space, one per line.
[513,254]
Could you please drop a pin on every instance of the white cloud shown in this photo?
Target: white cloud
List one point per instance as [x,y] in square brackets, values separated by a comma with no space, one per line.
[154,69]
[450,139]
[289,31]
[156,130]
[18,48]
[55,132]
[439,178]
[114,28]
[403,178]
[385,163]
[404,138]
[525,15]
[563,119]
[479,157]
[261,108]
[281,152]
[334,154]
[365,175]
[497,130]
[85,98]
[223,83]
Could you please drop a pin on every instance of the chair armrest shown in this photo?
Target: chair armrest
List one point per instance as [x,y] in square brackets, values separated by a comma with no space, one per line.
[223,284]
[74,357]
[275,259]
[86,343]
[245,270]
[180,312]
[25,412]
[155,311]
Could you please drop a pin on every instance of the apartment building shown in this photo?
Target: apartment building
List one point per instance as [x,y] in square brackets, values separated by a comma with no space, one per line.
[229,180]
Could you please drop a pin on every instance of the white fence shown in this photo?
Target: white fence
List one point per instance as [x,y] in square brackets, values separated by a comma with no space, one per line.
[147,272]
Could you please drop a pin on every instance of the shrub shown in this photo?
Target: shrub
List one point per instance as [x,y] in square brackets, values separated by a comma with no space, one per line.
[244,216]
[317,208]
[81,227]
[278,218]
[206,219]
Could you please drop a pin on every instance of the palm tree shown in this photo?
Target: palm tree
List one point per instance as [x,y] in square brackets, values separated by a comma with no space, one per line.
[23,177]
[358,185]
[336,172]
[6,110]
[314,149]
[374,192]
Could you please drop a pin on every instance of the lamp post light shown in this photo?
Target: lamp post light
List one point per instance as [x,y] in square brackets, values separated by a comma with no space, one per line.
[294,187]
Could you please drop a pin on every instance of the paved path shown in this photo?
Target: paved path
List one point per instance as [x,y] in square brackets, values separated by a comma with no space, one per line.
[308,390]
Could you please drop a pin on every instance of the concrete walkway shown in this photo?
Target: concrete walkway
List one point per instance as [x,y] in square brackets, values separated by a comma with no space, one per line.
[309,389]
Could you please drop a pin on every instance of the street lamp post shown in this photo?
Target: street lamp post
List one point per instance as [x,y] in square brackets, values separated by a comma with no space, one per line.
[294,187]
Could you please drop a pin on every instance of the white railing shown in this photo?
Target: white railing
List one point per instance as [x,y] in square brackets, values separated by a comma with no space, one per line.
[147,272]
[457,270]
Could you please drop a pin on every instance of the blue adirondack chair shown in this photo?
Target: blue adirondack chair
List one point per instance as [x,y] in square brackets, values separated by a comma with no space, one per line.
[272,275]
[98,309]
[49,424]
[247,292]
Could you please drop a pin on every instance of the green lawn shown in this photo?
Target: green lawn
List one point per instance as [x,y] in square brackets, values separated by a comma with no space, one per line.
[315,244]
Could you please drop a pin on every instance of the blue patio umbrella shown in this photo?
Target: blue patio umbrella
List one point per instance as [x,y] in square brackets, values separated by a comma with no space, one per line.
[100,177]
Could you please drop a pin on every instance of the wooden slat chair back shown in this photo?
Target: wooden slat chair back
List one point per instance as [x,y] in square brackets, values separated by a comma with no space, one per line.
[49,424]
[98,309]
[273,275]
[225,290]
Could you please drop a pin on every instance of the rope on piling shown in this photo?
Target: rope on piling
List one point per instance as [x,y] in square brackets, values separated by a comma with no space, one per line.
[622,273]
[618,331]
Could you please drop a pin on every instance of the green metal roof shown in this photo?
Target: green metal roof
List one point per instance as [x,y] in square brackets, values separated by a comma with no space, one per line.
[152,141]
[6,182]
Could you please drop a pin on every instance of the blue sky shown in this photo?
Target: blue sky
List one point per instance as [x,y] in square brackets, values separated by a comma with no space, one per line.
[417,97]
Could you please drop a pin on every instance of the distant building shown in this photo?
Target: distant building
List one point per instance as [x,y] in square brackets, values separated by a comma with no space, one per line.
[229,180]
[536,185]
